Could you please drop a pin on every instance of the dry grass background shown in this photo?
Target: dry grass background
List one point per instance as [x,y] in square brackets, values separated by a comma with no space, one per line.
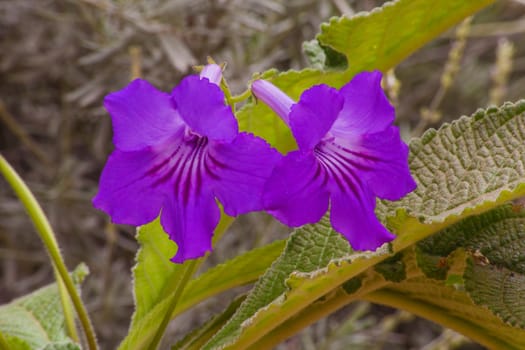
[58,58]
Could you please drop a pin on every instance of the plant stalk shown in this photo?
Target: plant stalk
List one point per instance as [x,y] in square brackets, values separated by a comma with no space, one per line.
[189,270]
[47,235]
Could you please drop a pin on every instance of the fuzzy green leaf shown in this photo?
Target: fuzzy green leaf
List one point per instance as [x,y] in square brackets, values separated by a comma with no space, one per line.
[36,321]
[432,299]
[500,290]
[498,235]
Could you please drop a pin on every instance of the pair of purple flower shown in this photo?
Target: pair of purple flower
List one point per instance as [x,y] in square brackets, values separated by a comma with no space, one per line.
[177,153]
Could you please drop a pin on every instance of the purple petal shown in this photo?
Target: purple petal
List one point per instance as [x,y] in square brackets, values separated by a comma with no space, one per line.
[212,72]
[271,95]
[190,224]
[295,192]
[201,105]
[240,170]
[381,160]
[314,114]
[142,116]
[352,215]
[128,191]
[366,108]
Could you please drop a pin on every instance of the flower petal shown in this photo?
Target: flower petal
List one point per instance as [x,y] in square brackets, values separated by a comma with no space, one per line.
[201,105]
[190,224]
[212,72]
[382,162]
[142,116]
[352,215]
[366,108]
[128,191]
[314,114]
[271,95]
[240,170]
[295,193]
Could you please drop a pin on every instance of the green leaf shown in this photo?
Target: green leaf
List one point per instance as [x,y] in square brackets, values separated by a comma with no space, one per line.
[432,299]
[36,321]
[498,235]
[377,40]
[500,290]
[323,57]
[466,168]
[467,163]
[385,36]
[154,274]
[392,269]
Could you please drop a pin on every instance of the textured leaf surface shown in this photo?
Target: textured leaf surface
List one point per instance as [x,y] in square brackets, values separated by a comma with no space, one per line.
[376,40]
[467,163]
[500,290]
[36,321]
[498,235]
[466,168]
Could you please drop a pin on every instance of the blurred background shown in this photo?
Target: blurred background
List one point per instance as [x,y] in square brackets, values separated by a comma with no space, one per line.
[58,58]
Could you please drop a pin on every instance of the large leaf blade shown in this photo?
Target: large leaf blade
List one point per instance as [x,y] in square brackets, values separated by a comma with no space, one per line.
[399,28]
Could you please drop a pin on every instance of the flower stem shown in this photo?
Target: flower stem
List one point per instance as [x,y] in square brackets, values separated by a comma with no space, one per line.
[241,97]
[69,316]
[188,271]
[45,231]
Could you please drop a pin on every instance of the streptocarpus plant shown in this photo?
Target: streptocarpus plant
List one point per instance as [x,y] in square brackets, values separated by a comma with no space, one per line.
[457,249]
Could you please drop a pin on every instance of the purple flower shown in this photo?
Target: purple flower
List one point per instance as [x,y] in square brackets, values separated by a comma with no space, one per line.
[175,154]
[349,154]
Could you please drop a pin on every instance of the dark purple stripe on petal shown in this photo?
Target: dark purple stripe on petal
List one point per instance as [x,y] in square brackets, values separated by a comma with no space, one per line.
[341,169]
[184,167]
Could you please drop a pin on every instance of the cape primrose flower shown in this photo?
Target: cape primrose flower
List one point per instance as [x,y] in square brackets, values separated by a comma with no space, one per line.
[175,154]
[349,154]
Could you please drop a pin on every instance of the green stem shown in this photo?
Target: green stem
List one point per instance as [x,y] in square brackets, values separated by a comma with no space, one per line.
[241,97]
[69,316]
[45,231]
[232,100]
[227,93]
[189,270]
